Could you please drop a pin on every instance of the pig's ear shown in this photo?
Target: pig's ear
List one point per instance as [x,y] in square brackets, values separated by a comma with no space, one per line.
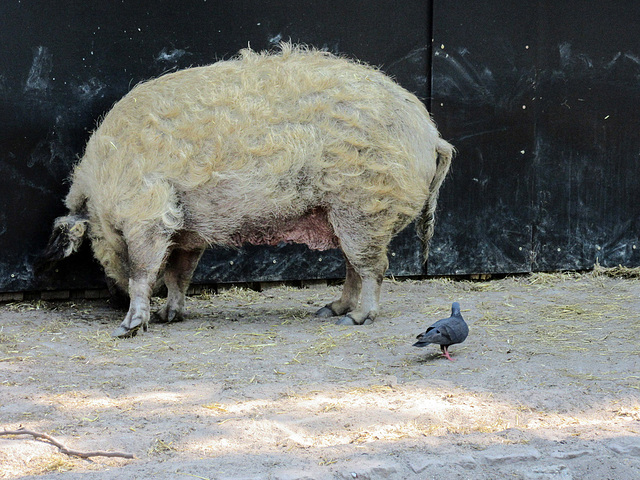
[66,238]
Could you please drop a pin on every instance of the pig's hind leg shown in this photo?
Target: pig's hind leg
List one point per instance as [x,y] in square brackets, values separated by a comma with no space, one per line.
[177,276]
[367,261]
[372,273]
[146,252]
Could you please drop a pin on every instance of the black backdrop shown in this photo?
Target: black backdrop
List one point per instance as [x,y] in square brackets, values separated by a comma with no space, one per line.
[540,98]
[542,101]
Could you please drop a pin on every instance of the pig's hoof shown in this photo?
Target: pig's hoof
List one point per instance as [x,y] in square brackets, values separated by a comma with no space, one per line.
[124,332]
[325,312]
[347,320]
[161,316]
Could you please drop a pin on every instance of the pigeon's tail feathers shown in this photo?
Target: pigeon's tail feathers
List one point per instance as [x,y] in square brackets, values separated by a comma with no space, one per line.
[438,333]
[424,339]
[426,220]
[421,343]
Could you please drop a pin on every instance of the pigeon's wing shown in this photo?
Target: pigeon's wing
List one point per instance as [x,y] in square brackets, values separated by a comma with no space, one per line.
[435,325]
[458,330]
[439,333]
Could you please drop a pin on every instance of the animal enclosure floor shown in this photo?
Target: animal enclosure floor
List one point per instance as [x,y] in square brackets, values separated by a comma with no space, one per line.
[252,386]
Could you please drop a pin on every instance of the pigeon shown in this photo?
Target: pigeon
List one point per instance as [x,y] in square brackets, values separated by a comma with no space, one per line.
[445,332]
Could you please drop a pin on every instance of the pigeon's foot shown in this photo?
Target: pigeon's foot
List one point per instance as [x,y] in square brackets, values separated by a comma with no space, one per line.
[445,352]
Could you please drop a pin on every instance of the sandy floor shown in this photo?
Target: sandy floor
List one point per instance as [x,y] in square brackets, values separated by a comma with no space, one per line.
[251,386]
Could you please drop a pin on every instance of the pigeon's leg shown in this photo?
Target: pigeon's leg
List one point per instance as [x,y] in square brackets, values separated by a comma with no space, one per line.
[177,276]
[445,352]
[147,250]
[349,299]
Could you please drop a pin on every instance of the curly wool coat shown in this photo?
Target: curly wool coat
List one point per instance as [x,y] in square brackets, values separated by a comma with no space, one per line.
[297,146]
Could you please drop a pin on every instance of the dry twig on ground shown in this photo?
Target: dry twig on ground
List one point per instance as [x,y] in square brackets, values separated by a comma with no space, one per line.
[64,449]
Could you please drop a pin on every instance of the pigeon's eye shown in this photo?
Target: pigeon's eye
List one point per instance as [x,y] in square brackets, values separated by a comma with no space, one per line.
[437,331]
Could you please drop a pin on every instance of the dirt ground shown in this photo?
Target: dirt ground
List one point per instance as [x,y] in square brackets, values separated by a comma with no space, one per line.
[252,386]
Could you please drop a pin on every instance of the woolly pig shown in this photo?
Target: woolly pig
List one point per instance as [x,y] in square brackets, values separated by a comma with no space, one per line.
[294,146]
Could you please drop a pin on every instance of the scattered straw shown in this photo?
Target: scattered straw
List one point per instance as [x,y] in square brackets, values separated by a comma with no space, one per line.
[484,286]
[217,407]
[160,446]
[29,306]
[245,296]
[544,279]
[617,272]
[376,389]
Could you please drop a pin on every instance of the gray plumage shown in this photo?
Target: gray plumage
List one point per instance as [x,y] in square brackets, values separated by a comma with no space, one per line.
[445,332]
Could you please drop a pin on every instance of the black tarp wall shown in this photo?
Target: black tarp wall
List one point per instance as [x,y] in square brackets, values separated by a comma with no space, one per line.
[540,98]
